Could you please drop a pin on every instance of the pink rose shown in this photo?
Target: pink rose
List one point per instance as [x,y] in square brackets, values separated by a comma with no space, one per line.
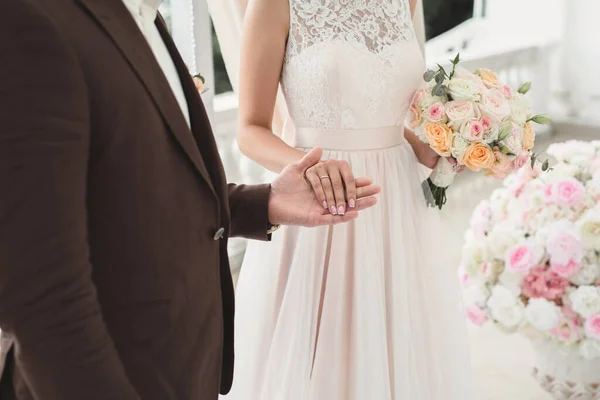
[506,91]
[419,96]
[494,105]
[502,165]
[460,111]
[472,130]
[480,221]
[565,251]
[567,270]
[568,192]
[544,283]
[521,159]
[476,315]
[416,117]
[566,331]
[521,258]
[486,123]
[592,326]
[436,113]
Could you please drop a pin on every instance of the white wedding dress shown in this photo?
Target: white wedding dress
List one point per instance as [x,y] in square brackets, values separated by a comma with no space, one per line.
[370,309]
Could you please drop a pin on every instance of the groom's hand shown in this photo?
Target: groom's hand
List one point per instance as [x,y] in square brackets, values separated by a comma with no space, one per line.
[293,201]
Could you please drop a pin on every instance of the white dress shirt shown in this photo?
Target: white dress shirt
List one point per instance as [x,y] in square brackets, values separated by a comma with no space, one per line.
[144,13]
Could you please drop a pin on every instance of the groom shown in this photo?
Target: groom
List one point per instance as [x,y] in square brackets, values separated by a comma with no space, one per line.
[115,212]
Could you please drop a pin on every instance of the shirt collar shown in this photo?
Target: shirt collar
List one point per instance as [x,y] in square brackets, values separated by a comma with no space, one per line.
[152,5]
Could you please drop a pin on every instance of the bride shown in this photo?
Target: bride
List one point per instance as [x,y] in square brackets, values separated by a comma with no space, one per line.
[367,310]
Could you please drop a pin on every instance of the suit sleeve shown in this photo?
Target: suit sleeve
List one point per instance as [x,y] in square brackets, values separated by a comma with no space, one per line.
[48,302]
[249,205]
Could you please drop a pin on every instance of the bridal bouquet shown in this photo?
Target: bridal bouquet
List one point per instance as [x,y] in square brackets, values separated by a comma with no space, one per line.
[531,262]
[485,125]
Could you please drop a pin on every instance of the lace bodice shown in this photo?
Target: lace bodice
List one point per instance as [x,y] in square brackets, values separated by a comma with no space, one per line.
[350,64]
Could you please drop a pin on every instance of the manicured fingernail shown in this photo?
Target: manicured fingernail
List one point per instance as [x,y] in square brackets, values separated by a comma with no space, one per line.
[341,210]
[325,205]
[333,210]
[352,203]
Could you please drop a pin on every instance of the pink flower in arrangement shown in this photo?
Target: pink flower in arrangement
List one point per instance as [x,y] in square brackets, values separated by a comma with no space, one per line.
[567,192]
[548,194]
[476,315]
[567,270]
[521,258]
[480,221]
[566,331]
[521,160]
[486,123]
[436,112]
[506,91]
[592,326]
[544,283]
[565,250]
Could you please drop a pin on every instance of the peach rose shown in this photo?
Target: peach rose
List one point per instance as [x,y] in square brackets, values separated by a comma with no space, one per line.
[416,116]
[489,78]
[528,136]
[439,137]
[478,156]
[502,167]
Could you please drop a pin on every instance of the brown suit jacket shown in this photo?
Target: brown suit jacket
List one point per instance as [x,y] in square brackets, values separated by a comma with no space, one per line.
[114,277]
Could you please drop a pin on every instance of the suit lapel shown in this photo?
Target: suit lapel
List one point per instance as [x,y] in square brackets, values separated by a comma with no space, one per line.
[200,123]
[115,19]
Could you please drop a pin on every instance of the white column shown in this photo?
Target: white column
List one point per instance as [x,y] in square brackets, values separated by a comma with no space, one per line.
[581,53]
[190,27]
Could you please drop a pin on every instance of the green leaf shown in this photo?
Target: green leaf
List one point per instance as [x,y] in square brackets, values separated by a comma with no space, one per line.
[533,160]
[524,88]
[504,132]
[439,77]
[438,90]
[541,119]
[428,75]
[505,150]
[456,59]
[545,166]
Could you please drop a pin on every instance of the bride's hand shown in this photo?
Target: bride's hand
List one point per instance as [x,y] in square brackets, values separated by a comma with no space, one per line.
[334,185]
[430,158]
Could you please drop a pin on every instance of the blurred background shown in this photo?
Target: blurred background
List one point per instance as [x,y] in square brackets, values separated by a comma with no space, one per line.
[548,42]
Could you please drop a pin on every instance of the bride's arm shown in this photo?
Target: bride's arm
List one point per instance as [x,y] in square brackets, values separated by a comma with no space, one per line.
[264,36]
[266,26]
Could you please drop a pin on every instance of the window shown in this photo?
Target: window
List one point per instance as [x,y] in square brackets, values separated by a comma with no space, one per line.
[443,15]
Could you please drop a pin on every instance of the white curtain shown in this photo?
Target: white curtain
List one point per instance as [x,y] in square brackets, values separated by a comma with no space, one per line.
[228,15]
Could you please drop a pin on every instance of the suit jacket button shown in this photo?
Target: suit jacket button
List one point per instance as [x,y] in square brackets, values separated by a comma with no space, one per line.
[219,234]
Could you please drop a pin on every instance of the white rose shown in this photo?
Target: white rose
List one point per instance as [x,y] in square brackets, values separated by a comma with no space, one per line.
[514,141]
[463,90]
[589,349]
[475,251]
[476,293]
[560,172]
[501,238]
[520,109]
[542,314]
[587,274]
[511,281]
[589,228]
[565,151]
[585,300]
[428,101]
[460,111]
[494,105]
[459,146]
[505,307]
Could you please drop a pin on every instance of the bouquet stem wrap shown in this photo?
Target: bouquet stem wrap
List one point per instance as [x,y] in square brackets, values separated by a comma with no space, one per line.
[435,187]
